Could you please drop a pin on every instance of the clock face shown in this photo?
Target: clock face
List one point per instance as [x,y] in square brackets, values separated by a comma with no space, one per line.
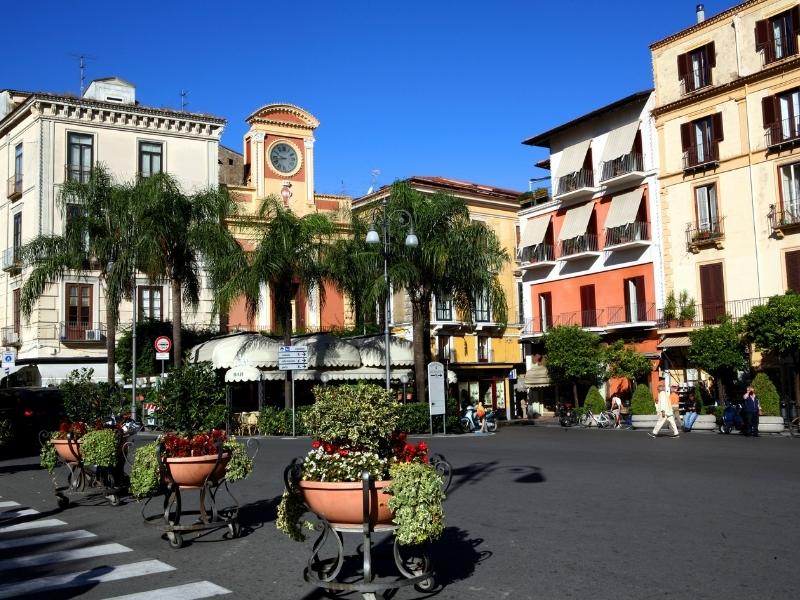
[283,158]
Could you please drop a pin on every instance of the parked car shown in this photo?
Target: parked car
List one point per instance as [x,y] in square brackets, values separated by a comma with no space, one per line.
[24,412]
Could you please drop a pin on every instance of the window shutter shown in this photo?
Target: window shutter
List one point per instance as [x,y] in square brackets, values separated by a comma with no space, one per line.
[683,66]
[711,55]
[686,136]
[793,270]
[795,24]
[762,34]
[716,125]
[768,111]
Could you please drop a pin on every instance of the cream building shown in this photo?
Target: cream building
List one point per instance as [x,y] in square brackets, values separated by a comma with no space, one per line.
[48,138]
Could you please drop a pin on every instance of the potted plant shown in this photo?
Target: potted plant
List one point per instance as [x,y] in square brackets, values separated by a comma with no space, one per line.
[353,429]
[643,408]
[686,309]
[770,420]
[671,310]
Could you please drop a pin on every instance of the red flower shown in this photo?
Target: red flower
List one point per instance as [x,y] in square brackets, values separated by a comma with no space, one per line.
[422,446]
[344,452]
[315,444]
[328,447]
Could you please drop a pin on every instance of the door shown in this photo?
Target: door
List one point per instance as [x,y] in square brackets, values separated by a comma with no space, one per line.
[79,311]
[635,306]
[545,312]
[712,293]
[588,309]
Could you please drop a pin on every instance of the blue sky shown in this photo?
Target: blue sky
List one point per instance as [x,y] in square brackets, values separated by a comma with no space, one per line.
[436,87]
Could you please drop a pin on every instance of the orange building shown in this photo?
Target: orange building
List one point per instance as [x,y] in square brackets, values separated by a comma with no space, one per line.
[589,254]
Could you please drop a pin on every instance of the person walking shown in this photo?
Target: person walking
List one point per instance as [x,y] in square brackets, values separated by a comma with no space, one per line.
[616,409]
[692,408]
[751,408]
[675,402]
[664,411]
[481,414]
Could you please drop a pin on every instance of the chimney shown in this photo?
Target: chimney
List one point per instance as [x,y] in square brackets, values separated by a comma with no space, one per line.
[701,13]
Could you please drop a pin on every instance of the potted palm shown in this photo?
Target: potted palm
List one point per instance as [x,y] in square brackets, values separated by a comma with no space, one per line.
[686,309]
[671,310]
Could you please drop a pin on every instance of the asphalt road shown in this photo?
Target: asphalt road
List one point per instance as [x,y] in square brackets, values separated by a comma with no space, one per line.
[533,512]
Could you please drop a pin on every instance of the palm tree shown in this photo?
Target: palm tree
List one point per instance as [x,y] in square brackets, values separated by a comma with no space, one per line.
[288,257]
[455,257]
[98,238]
[180,237]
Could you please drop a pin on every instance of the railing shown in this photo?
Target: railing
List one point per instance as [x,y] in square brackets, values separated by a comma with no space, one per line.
[9,336]
[701,155]
[711,313]
[620,315]
[15,186]
[11,259]
[704,233]
[782,132]
[786,217]
[537,254]
[629,163]
[575,181]
[583,243]
[601,317]
[696,79]
[777,49]
[80,331]
[625,234]
[78,173]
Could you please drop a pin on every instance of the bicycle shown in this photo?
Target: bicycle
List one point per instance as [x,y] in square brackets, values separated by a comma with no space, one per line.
[794,427]
[605,420]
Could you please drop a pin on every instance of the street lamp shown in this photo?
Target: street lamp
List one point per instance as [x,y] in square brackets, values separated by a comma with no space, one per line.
[411,241]
[404,381]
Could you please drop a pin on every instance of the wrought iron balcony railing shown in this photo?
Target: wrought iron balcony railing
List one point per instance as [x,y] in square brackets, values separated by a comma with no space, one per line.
[12,259]
[785,131]
[537,254]
[14,186]
[575,181]
[703,234]
[777,49]
[696,79]
[701,156]
[631,314]
[79,173]
[81,331]
[629,163]
[625,234]
[577,245]
[9,336]
[710,313]
[784,218]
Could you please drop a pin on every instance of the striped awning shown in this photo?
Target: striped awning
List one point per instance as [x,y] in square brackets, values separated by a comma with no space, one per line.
[624,208]
[619,142]
[537,376]
[576,221]
[572,158]
[676,341]
[534,232]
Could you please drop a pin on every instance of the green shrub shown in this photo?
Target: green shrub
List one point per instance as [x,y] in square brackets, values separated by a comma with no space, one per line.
[145,476]
[642,402]
[415,418]
[701,402]
[48,457]
[417,502]
[240,464]
[453,416]
[767,395]
[299,421]
[100,447]
[89,401]
[595,401]
[191,400]
[270,421]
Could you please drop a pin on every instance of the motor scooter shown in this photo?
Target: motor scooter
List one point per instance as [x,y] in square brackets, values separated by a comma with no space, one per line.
[567,416]
[731,417]
[471,422]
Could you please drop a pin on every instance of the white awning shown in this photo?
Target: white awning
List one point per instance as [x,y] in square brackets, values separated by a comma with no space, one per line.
[623,209]
[370,347]
[56,373]
[534,232]
[572,158]
[243,374]
[537,376]
[576,221]
[327,351]
[241,349]
[619,142]
[356,374]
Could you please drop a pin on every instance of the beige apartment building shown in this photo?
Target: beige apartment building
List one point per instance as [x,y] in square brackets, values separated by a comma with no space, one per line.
[727,115]
[46,139]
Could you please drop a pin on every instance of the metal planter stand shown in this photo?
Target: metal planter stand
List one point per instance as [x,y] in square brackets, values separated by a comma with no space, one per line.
[84,481]
[414,568]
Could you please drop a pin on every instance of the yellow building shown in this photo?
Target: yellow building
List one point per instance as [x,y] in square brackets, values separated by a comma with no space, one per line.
[479,357]
[728,120]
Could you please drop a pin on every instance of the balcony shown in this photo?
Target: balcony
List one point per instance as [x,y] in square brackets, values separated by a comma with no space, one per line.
[700,158]
[627,169]
[711,313]
[784,221]
[711,233]
[536,327]
[81,333]
[12,260]
[696,79]
[15,187]
[9,336]
[588,319]
[536,257]
[576,186]
[579,248]
[631,235]
[783,134]
[641,315]
[78,173]
[777,49]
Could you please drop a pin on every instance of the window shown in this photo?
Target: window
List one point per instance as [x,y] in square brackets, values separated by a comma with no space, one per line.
[781,114]
[635,306]
[694,68]
[79,311]
[793,270]
[545,312]
[790,191]
[149,158]
[17,236]
[18,168]
[73,212]
[588,307]
[776,37]
[150,302]
[17,311]
[520,303]
[483,348]
[706,206]
[444,348]
[80,156]
[444,308]
[700,141]
[481,314]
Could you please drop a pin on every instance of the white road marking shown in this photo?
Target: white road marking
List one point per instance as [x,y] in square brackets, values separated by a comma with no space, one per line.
[32,525]
[190,591]
[7,503]
[84,578]
[14,514]
[47,558]
[46,538]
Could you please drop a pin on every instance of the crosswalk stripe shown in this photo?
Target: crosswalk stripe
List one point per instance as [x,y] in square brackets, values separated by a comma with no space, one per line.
[47,558]
[32,525]
[7,503]
[46,538]
[189,591]
[84,578]
[14,514]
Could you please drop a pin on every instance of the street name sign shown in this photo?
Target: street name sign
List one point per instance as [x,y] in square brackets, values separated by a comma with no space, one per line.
[292,358]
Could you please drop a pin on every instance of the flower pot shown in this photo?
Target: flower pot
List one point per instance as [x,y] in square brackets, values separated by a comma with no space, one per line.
[193,471]
[770,424]
[68,450]
[644,421]
[705,423]
[342,503]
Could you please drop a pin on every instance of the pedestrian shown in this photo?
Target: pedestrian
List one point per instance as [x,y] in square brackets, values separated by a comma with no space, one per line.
[664,412]
[692,407]
[751,409]
[616,409]
[675,401]
[480,411]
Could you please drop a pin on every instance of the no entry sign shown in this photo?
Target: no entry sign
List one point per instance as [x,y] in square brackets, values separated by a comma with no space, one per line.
[163,344]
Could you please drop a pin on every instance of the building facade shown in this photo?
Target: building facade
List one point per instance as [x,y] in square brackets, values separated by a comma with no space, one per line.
[590,254]
[46,139]
[727,113]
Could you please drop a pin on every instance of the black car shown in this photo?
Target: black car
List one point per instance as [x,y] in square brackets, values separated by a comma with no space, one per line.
[24,412]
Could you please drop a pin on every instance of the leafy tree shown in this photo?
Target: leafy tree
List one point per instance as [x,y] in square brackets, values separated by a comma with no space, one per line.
[594,401]
[87,400]
[573,355]
[289,256]
[642,402]
[718,350]
[626,363]
[767,395]
[191,400]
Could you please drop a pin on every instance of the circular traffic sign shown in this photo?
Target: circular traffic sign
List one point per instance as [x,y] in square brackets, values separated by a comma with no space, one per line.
[163,344]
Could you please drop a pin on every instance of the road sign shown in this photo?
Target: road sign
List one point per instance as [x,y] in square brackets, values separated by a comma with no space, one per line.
[436,388]
[292,358]
[163,344]
[287,351]
[9,359]
[162,355]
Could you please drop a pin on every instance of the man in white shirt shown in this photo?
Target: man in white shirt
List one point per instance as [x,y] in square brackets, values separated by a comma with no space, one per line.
[664,412]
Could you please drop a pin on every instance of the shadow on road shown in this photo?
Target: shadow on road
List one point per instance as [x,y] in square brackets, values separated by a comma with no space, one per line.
[254,515]
[18,468]
[477,472]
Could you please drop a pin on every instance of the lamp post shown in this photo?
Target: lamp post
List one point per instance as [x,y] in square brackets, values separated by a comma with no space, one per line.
[411,241]
[404,381]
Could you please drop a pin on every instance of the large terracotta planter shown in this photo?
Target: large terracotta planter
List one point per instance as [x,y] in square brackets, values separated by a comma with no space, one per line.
[193,471]
[68,450]
[342,503]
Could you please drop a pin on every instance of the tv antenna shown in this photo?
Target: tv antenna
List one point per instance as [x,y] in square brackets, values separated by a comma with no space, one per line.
[184,102]
[82,58]
[375,173]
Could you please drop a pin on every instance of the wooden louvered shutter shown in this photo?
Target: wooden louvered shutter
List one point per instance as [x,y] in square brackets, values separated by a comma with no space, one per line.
[712,292]
[795,25]
[711,56]
[768,111]
[716,126]
[686,136]
[762,34]
[683,67]
[641,305]
[588,312]
[793,271]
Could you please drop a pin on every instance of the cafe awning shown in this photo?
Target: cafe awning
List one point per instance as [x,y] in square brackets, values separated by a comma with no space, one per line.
[370,348]
[537,377]
[676,341]
[326,351]
[576,221]
[240,349]
[245,373]
[624,208]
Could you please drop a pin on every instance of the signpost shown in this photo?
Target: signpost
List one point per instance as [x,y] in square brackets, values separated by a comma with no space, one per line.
[436,395]
[162,345]
[9,362]
[292,358]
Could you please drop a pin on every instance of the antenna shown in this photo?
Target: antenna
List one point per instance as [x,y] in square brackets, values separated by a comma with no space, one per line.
[184,102]
[82,58]
[375,173]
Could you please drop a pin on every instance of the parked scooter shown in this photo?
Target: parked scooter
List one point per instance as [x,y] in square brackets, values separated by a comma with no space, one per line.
[129,426]
[471,422]
[567,416]
[731,417]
